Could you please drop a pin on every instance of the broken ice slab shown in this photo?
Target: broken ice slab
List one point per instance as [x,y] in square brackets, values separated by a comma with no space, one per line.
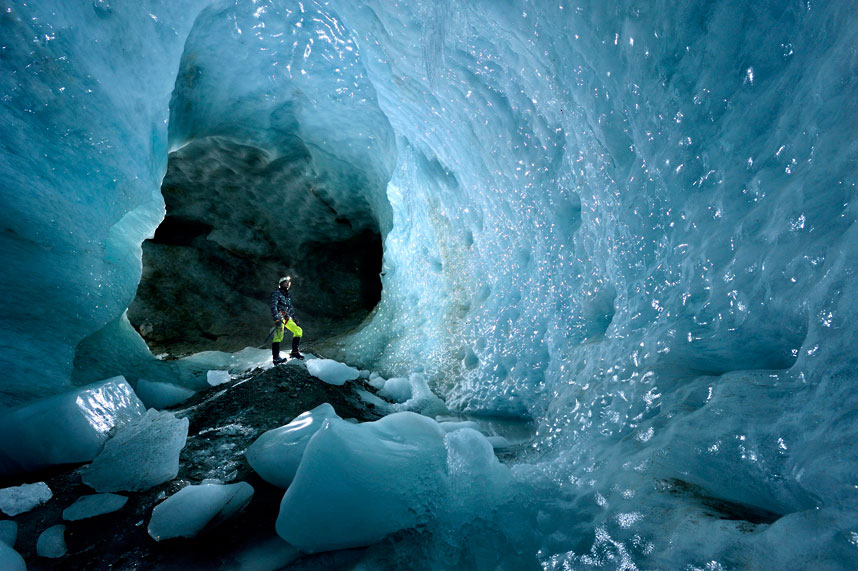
[67,428]
[161,395]
[195,508]
[20,499]
[276,454]
[141,455]
[94,505]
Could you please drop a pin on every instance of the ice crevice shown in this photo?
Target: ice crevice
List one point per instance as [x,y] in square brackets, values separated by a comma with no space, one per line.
[630,227]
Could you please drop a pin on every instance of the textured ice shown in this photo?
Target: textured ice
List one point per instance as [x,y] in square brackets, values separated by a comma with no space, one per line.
[94,505]
[276,454]
[19,499]
[195,508]
[140,455]
[11,560]
[65,428]
[332,372]
[161,395]
[636,230]
[8,532]
[358,483]
[52,542]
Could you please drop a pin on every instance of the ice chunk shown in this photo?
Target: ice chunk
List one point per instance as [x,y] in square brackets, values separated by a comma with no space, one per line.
[396,389]
[476,475]
[195,508]
[364,373]
[332,372]
[11,560]
[19,499]
[91,506]
[52,542]
[276,454]
[141,454]
[359,483]
[422,400]
[161,395]
[66,428]
[215,378]
[8,532]
[382,406]
[376,381]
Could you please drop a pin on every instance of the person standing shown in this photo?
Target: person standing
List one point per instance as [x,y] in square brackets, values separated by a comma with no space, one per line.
[284,318]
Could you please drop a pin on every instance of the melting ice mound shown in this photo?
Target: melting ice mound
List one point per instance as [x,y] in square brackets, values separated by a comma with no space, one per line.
[633,224]
[358,483]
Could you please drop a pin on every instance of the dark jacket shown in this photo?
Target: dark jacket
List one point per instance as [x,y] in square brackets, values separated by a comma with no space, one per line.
[281,303]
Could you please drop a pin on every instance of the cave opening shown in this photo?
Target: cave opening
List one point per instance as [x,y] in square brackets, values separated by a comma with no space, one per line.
[238,217]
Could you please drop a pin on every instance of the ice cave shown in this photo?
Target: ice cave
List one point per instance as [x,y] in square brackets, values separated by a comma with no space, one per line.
[575,280]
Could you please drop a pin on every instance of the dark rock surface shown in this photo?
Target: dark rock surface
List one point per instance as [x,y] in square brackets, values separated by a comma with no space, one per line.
[224,421]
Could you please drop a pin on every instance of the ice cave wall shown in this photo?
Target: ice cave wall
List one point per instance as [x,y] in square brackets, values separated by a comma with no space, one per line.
[594,212]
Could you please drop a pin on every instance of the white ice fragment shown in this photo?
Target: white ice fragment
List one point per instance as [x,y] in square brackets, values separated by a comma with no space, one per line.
[332,372]
[94,505]
[381,405]
[140,455]
[215,378]
[195,508]
[358,483]
[66,428]
[376,381]
[11,560]
[8,532]
[397,389]
[52,542]
[422,400]
[364,373]
[20,499]
[276,454]
[161,395]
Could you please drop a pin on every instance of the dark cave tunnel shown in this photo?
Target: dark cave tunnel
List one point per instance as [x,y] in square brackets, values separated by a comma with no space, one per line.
[237,219]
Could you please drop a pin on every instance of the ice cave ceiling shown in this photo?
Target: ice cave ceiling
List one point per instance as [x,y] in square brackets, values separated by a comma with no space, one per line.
[632,223]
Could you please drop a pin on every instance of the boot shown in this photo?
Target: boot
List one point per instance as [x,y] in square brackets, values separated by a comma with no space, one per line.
[295,354]
[275,353]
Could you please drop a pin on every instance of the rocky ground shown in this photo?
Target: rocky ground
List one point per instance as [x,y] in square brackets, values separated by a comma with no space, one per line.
[224,421]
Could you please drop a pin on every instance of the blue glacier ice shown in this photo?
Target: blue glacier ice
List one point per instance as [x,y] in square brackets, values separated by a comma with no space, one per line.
[630,224]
